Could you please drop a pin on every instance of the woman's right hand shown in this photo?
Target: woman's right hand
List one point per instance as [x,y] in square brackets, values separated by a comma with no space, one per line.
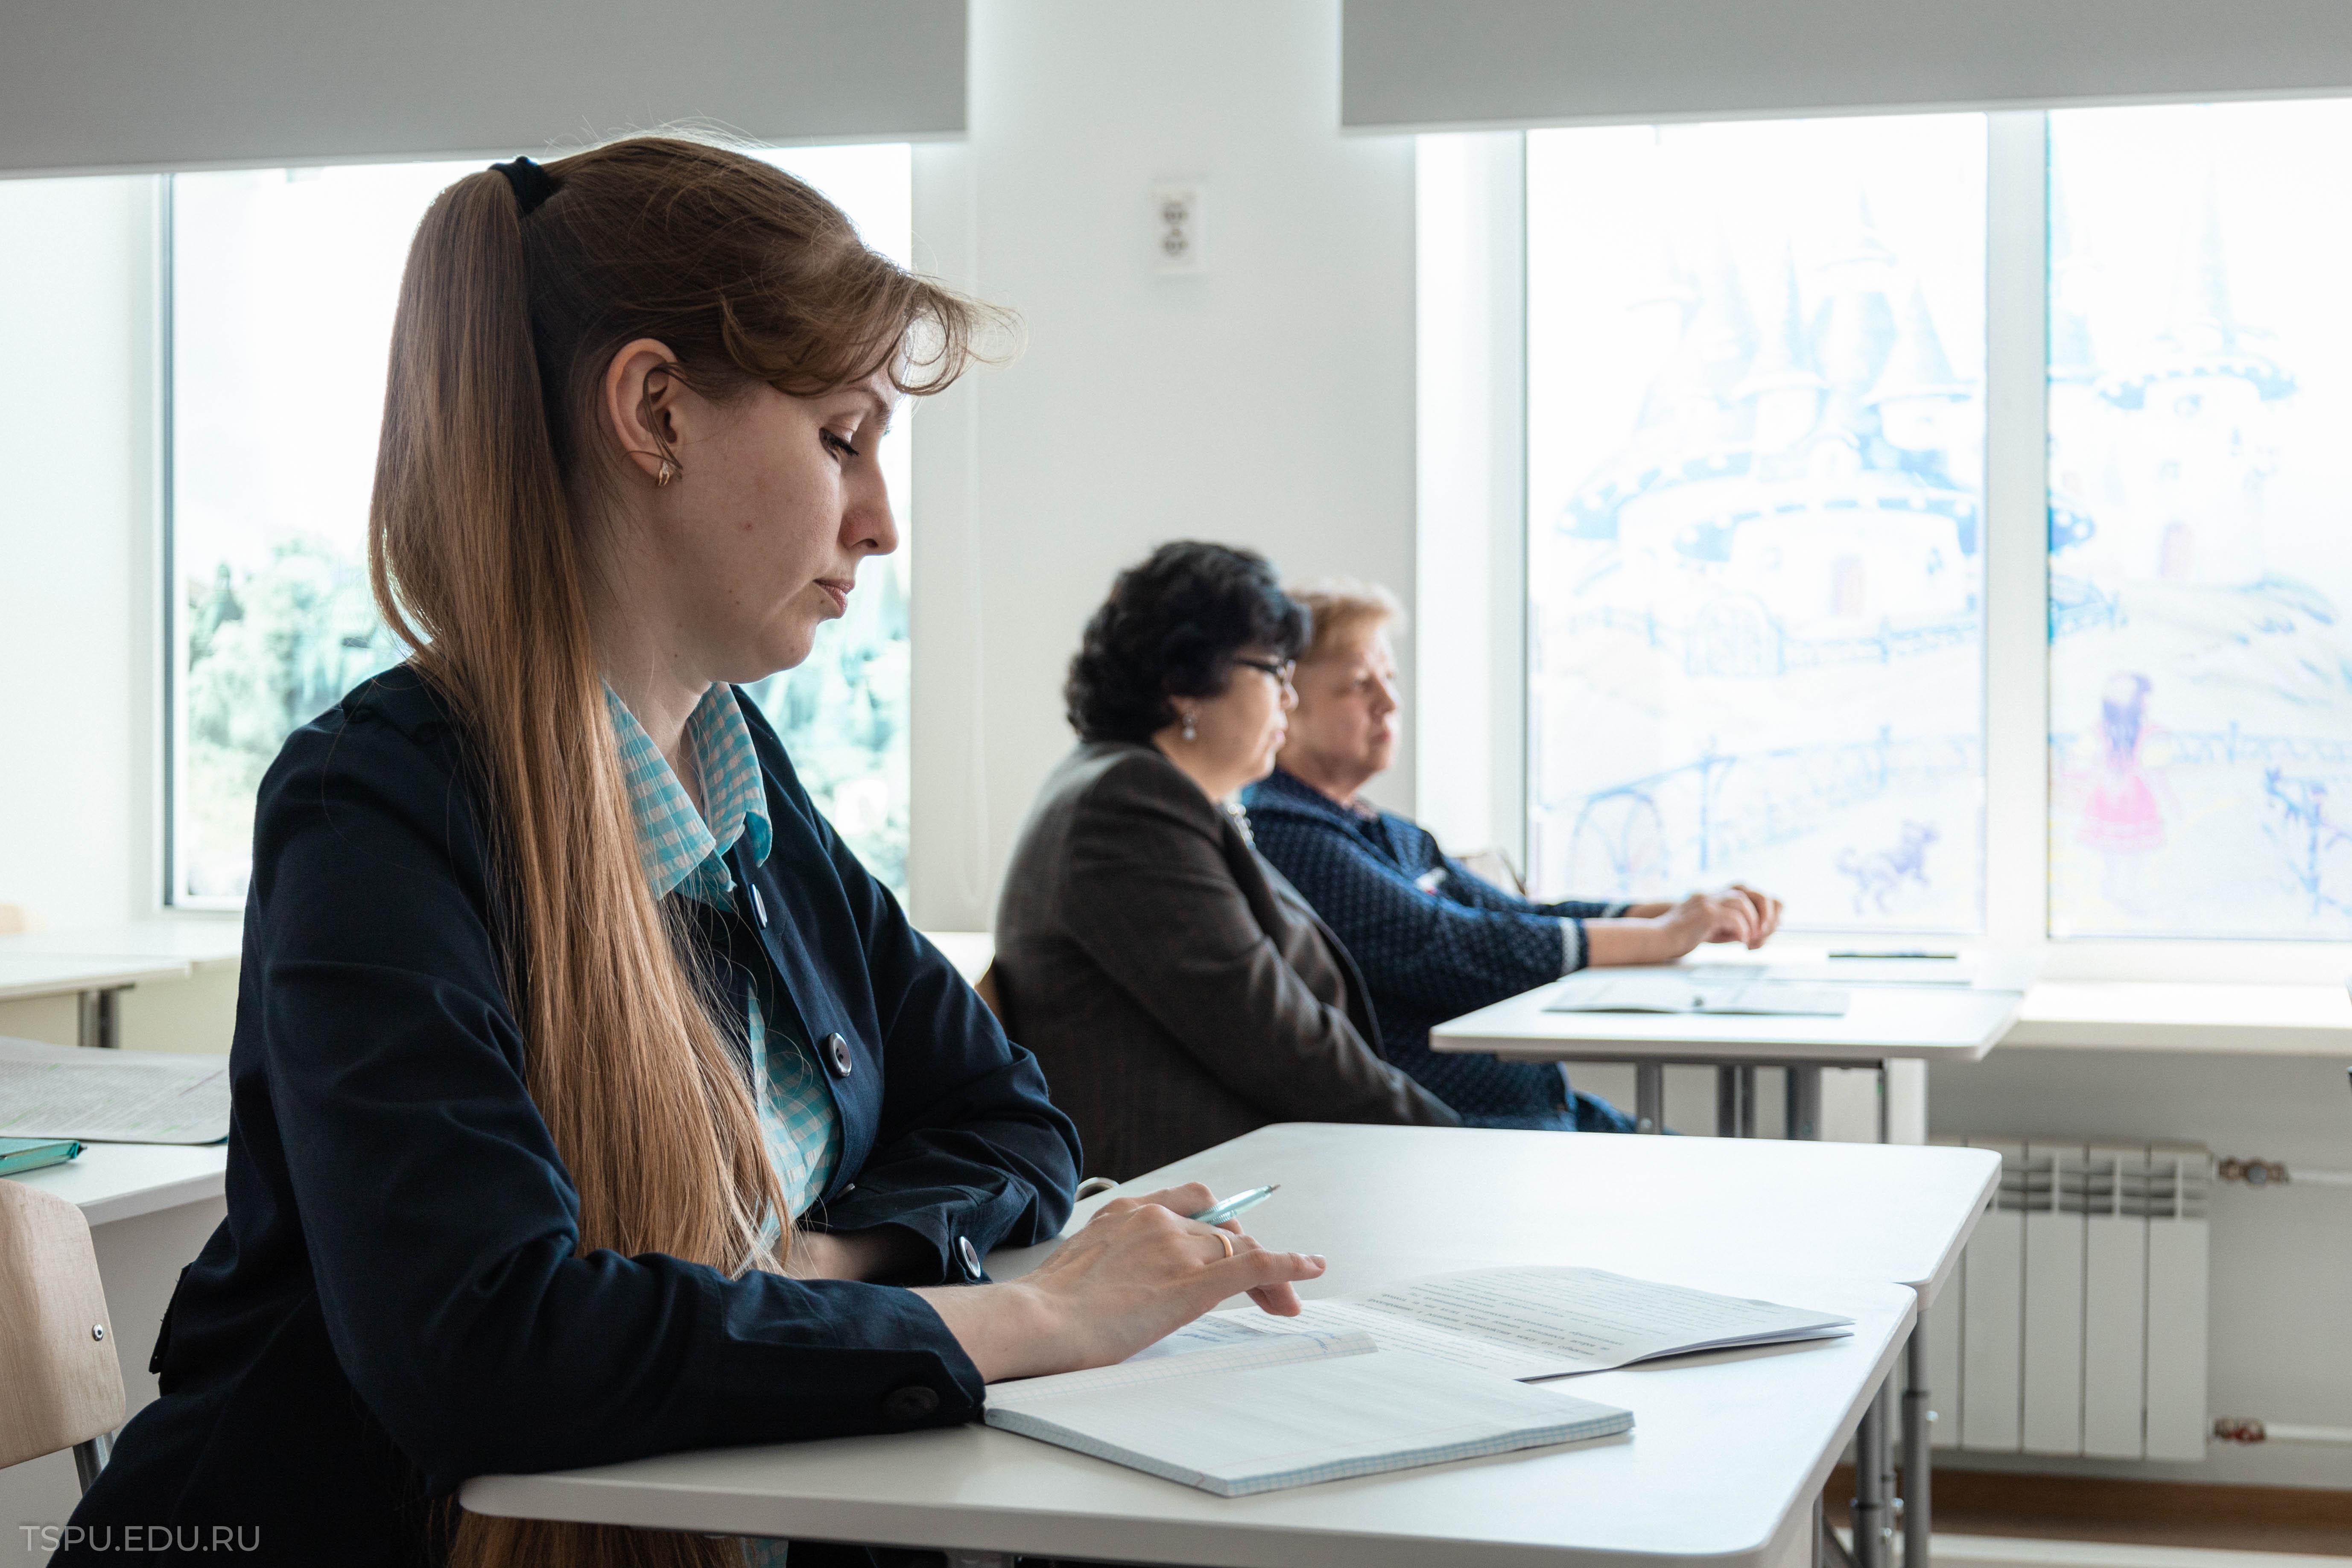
[1139,1271]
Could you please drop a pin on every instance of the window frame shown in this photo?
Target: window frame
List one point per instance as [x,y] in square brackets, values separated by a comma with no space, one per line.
[1472,504]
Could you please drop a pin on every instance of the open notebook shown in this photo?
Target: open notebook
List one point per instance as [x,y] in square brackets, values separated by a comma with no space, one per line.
[1675,991]
[1527,1323]
[1289,1410]
[1419,1373]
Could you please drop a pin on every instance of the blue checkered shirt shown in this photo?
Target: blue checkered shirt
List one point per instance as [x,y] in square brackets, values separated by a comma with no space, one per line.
[684,853]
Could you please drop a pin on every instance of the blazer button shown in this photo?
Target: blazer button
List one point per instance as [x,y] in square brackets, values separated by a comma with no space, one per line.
[912,1403]
[758,907]
[837,1051]
[969,1255]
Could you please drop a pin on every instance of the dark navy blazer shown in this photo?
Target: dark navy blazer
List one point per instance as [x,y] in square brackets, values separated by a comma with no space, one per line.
[1435,941]
[396,1301]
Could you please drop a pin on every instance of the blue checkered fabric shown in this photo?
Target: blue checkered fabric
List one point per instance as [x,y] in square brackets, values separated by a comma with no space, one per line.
[685,852]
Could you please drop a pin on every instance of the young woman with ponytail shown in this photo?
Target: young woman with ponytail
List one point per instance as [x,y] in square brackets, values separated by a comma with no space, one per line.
[592,1101]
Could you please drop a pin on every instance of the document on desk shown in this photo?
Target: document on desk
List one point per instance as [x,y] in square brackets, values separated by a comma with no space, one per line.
[111,1097]
[1600,992]
[1290,1410]
[1529,1323]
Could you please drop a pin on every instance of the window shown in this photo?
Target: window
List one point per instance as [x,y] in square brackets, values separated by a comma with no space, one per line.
[283,284]
[1934,518]
[2201,473]
[1755,532]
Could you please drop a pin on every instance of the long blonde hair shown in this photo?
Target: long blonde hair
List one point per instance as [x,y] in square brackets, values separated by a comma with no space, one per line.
[488,461]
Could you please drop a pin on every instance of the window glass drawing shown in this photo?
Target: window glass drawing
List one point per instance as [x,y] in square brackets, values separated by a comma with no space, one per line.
[1755,528]
[284,283]
[2201,396]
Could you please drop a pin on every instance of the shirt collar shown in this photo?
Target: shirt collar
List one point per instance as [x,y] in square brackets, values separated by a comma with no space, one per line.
[679,849]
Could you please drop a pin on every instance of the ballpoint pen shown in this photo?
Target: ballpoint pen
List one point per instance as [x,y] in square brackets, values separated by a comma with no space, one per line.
[1239,1204]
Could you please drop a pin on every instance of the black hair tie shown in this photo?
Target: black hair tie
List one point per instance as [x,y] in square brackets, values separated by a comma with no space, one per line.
[532,185]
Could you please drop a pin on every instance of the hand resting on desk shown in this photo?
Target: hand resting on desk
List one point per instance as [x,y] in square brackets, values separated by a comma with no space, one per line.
[1660,934]
[1138,1271]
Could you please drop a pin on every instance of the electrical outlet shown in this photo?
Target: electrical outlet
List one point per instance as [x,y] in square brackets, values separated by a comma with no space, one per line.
[1180,229]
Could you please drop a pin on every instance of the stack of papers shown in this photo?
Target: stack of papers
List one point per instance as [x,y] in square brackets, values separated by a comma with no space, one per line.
[111,1097]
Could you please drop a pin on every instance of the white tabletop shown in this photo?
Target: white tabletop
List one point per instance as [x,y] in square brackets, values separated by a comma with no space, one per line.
[24,974]
[119,1181]
[972,952]
[1725,1458]
[1881,1023]
[1381,1200]
[201,943]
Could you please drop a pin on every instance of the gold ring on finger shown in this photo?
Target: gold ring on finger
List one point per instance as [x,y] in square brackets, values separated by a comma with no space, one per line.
[1226,1238]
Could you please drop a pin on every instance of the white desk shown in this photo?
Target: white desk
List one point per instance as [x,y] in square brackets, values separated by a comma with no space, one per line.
[1882,1023]
[1726,1460]
[149,1208]
[97,963]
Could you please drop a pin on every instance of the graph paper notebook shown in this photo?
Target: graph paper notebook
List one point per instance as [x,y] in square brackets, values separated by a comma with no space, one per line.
[111,1097]
[1291,1410]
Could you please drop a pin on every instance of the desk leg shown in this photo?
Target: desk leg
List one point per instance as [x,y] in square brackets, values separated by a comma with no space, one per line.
[98,1023]
[1649,1096]
[1917,1467]
[1827,1552]
[1870,1509]
[1735,1103]
[1804,1119]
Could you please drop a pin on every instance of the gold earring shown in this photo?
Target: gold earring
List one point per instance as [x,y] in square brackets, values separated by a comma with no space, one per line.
[668,472]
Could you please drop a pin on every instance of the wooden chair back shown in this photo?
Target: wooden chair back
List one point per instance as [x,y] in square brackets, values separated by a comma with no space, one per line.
[60,1383]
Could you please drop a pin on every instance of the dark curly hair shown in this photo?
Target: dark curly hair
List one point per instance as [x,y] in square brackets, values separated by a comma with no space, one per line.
[1171,628]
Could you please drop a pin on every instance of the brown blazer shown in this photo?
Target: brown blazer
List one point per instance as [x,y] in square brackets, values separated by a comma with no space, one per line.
[1176,989]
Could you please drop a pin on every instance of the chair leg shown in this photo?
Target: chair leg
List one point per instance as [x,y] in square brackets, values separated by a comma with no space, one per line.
[91,1457]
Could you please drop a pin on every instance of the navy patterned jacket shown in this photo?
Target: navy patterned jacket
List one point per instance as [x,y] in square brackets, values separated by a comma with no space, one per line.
[1435,941]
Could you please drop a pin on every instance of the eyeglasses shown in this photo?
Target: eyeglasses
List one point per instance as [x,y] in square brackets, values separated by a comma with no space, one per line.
[1281,672]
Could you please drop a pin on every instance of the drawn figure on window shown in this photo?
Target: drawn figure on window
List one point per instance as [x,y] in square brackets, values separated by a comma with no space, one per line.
[2121,819]
[1881,875]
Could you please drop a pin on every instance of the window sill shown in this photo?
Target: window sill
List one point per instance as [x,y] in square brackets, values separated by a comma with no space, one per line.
[2220,1020]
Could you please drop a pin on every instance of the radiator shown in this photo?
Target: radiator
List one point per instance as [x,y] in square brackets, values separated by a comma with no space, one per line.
[2077,1323]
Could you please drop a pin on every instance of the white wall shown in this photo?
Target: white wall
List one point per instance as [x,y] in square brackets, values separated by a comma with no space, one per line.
[1267,402]
[78,578]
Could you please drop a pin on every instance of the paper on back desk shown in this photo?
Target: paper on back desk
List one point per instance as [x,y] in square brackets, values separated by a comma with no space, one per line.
[1668,990]
[111,1097]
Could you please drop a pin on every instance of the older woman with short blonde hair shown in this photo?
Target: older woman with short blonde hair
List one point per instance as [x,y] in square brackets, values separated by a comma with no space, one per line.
[1434,940]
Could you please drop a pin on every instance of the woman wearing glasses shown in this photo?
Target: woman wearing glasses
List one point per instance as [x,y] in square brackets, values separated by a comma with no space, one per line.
[1176,989]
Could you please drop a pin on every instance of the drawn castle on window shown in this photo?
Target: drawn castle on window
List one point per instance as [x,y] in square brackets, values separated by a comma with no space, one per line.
[1758,621]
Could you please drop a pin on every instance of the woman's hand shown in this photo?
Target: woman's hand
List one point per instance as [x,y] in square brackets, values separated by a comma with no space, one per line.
[1138,1271]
